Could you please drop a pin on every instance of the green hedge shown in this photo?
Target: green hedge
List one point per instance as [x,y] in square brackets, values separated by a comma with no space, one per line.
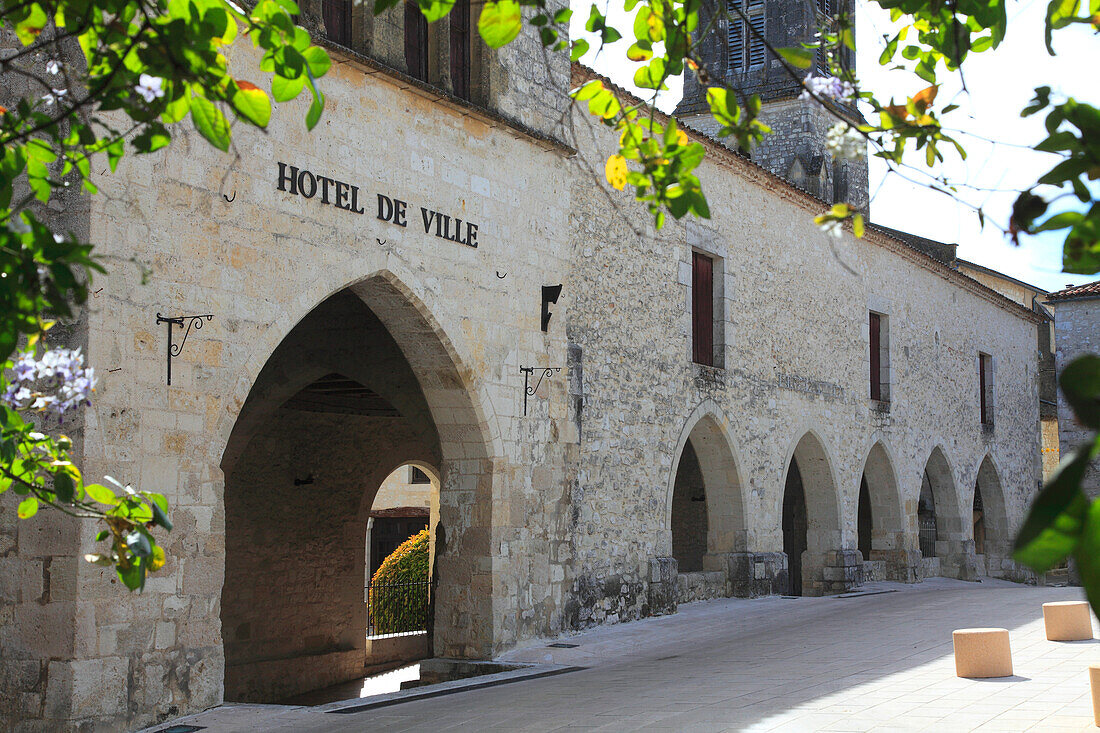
[402,608]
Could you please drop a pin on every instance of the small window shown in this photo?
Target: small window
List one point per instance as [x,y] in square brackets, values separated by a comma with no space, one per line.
[416,476]
[879,356]
[985,387]
[745,42]
[702,309]
[416,41]
[337,17]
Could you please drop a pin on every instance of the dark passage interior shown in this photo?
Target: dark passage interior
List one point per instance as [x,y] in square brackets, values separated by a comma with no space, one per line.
[689,513]
[795,528]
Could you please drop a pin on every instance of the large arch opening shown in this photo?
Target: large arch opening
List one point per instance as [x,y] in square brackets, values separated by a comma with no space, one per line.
[362,385]
[880,520]
[944,534]
[707,518]
[989,521]
[811,524]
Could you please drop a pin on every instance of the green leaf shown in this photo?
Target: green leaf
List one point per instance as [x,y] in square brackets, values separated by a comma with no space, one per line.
[797,56]
[27,508]
[1060,492]
[1060,13]
[313,115]
[101,494]
[159,505]
[500,22]
[138,543]
[210,122]
[1080,383]
[1057,539]
[580,48]
[435,10]
[283,89]
[252,103]
[63,486]
[1087,556]
[857,226]
[318,61]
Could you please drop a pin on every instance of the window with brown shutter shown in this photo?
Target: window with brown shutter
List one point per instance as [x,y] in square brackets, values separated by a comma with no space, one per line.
[702,309]
[460,48]
[416,41]
[337,17]
[876,356]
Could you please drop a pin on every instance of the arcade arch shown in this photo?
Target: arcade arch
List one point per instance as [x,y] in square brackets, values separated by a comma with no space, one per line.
[361,385]
[880,520]
[811,516]
[989,520]
[707,511]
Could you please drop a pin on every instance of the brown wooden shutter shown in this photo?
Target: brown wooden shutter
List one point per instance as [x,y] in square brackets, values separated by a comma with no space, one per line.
[982,358]
[460,48]
[702,309]
[876,356]
[337,17]
[416,41]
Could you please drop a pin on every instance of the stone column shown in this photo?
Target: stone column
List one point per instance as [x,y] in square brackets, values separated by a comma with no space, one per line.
[661,592]
[958,559]
[753,574]
[902,566]
[843,570]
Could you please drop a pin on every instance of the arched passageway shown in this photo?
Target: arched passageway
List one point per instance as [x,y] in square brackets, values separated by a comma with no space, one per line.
[707,518]
[881,522]
[816,564]
[945,533]
[360,386]
[989,521]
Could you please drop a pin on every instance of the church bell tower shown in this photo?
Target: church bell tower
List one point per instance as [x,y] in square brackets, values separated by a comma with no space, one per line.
[795,149]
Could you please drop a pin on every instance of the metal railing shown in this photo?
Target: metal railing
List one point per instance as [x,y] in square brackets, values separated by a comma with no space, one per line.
[926,534]
[397,608]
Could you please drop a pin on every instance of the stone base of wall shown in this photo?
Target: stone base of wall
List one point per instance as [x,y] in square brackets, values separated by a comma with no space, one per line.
[403,648]
[929,568]
[1008,569]
[843,571]
[661,592]
[753,574]
[275,679]
[900,566]
[701,586]
[874,571]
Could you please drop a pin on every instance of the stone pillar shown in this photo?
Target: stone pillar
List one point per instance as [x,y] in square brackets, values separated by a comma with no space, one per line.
[843,570]
[661,592]
[958,560]
[902,566]
[753,574]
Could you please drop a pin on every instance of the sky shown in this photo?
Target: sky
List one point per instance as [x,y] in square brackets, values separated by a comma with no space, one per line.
[999,84]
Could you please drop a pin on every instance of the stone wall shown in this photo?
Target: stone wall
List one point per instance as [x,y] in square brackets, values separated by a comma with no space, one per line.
[1078,326]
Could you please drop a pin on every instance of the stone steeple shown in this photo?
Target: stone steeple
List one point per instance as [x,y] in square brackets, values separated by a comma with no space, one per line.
[796,148]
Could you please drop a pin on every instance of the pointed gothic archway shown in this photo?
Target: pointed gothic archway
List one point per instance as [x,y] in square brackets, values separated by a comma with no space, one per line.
[945,534]
[989,520]
[811,524]
[363,383]
[881,521]
[706,516]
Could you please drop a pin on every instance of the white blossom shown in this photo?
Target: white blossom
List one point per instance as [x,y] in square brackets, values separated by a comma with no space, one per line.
[54,95]
[150,87]
[827,87]
[845,142]
[833,228]
[53,67]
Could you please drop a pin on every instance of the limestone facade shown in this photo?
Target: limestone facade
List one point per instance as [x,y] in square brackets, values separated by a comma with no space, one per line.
[555,505]
[1077,315]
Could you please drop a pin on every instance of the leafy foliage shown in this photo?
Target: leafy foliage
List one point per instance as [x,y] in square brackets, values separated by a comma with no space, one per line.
[1063,522]
[93,78]
[390,603]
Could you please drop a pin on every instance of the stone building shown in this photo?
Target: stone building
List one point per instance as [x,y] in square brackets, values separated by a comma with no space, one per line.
[1077,313]
[745,399]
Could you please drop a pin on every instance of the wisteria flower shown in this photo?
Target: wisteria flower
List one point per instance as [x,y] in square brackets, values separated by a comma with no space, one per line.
[833,228]
[827,87]
[845,142]
[53,96]
[150,87]
[53,67]
[56,383]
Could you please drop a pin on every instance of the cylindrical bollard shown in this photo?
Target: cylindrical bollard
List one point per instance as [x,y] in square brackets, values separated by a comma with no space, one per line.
[1094,680]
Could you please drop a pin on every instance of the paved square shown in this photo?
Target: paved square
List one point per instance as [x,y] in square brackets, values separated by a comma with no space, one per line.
[879,662]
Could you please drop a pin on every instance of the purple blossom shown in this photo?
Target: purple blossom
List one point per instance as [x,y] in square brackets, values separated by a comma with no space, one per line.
[56,383]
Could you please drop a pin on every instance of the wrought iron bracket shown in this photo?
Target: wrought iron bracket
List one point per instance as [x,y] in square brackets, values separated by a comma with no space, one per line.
[174,349]
[528,372]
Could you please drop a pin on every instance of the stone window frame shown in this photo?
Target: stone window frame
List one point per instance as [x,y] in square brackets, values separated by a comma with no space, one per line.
[987,378]
[705,242]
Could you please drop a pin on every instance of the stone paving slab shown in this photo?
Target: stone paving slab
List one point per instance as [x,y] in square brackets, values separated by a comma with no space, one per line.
[870,663]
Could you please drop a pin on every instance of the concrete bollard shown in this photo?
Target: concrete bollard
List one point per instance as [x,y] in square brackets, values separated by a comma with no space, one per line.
[982,653]
[1094,680]
[1067,620]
